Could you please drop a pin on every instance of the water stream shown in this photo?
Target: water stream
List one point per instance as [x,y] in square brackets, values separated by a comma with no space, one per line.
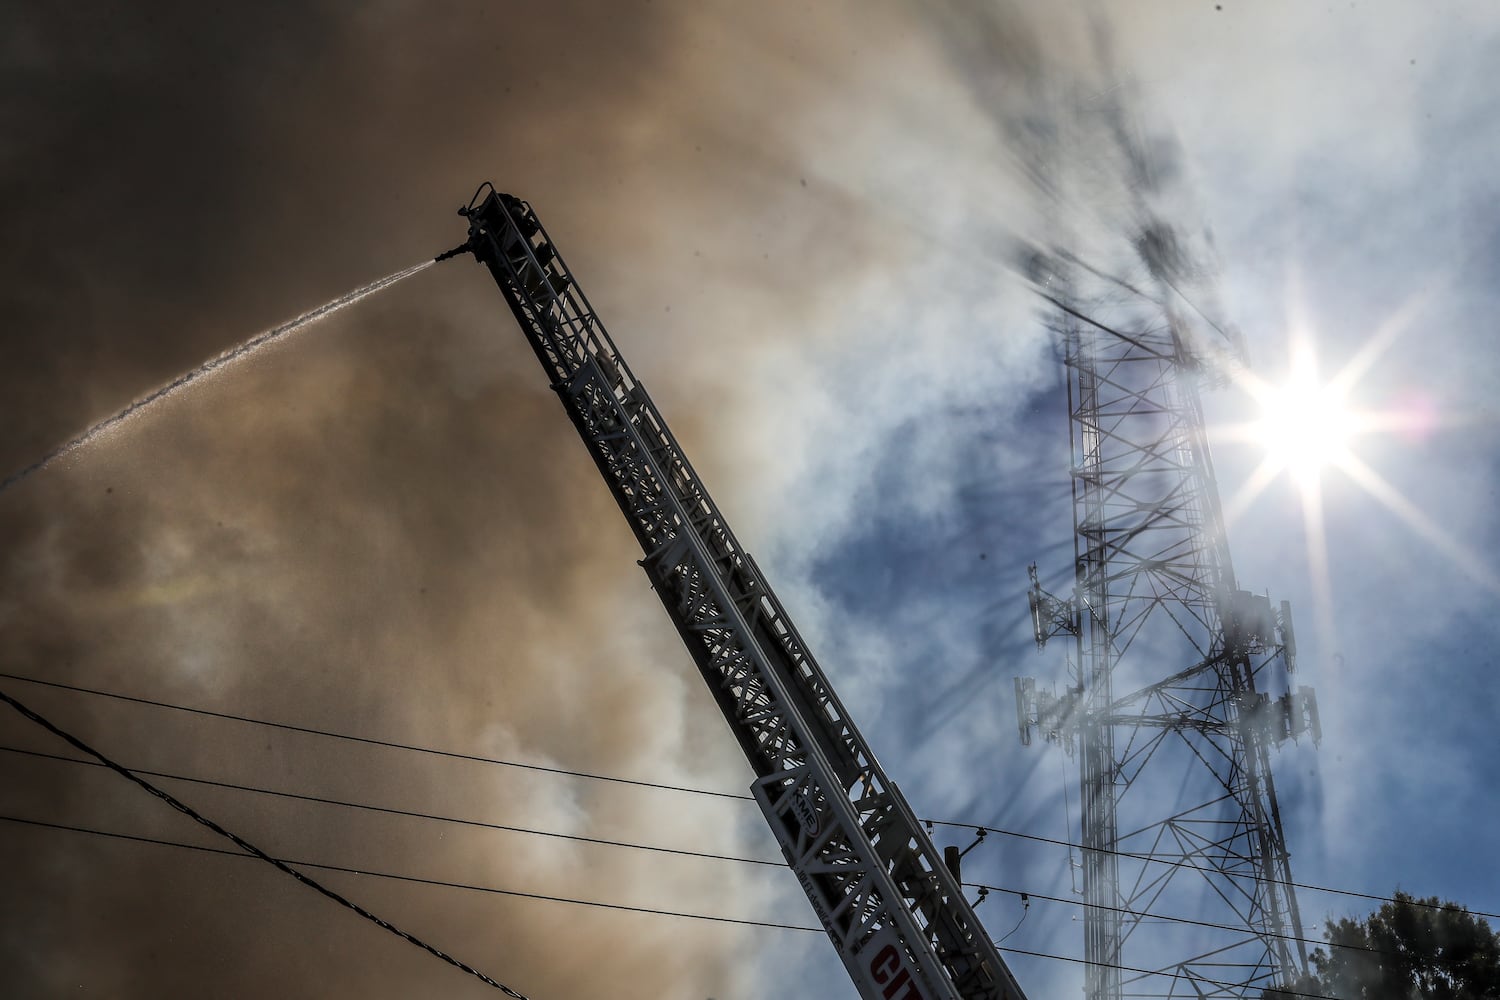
[250,346]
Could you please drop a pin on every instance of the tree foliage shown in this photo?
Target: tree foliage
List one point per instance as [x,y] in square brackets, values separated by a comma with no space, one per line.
[1409,949]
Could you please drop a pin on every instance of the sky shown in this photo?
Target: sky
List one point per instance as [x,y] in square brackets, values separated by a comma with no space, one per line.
[801,228]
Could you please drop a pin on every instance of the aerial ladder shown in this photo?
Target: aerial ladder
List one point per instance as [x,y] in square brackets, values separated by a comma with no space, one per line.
[895,912]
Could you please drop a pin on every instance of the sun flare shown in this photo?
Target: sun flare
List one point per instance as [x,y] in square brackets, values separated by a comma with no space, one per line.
[1304,426]
[1308,428]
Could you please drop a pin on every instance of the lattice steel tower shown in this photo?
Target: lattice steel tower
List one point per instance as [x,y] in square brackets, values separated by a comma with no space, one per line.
[1177,680]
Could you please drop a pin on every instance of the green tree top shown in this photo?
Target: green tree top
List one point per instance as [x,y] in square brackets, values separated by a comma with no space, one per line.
[1409,949]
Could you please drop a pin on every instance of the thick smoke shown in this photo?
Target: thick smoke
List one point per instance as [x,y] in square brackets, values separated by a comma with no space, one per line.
[799,227]
[385,526]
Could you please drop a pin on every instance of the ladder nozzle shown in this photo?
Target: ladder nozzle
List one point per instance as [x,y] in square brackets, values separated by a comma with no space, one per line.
[450,254]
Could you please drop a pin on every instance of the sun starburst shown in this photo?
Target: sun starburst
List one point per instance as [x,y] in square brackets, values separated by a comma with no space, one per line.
[1309,429]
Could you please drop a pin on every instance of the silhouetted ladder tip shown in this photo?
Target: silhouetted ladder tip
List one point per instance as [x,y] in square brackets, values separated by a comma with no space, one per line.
[450,254]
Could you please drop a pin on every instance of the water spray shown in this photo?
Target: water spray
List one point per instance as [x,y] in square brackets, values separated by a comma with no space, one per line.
[214,364]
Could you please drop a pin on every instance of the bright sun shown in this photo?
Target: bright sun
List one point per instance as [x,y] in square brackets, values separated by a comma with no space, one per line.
[1305,426]
[1309,427]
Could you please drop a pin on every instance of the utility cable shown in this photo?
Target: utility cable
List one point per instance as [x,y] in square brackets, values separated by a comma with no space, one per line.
[251,849]
[772,925]
[392,811]
[1242,929]
[1039,838]
[1169,974]
[312,731]
[704,855]
[1136,856]
[1025,912]
[418,879]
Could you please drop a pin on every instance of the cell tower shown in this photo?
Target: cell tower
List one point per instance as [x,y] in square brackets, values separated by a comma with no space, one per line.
[1177,679]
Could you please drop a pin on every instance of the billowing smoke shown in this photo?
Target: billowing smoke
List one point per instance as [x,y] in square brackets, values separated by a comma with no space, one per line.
[387,527]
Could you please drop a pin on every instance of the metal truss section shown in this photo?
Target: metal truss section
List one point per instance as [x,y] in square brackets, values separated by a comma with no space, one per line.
[1178,684]
[894,912]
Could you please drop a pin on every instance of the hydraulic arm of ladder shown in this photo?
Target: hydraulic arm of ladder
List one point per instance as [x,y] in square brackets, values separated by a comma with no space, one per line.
[894,912]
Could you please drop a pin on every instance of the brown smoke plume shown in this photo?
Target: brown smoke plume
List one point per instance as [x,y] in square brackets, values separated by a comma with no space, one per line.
[387,526]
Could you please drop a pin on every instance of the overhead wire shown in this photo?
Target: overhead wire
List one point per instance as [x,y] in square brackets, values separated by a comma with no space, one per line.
[1025,912]
[701,855]
[773,925]
[1137,856]
[388,744]
[251,850]
[392,811]
[416,878]
[455,755]
[1165,973]
[1166,918]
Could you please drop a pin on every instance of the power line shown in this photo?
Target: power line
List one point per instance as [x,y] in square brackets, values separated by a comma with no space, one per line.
[1192,867]
[704,855]
[1170,919]
[1163,973]
[310,730]
[251,849]
[596,903]
[1183,863]
[422,881]
[390,810]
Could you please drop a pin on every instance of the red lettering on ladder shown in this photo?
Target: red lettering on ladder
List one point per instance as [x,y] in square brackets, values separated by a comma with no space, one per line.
[912,993]
[886,970]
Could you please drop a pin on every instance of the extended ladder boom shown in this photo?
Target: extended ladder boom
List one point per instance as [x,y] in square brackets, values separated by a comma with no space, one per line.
[894,912]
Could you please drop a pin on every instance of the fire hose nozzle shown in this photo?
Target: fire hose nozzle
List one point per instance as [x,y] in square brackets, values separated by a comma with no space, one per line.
[450,254]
